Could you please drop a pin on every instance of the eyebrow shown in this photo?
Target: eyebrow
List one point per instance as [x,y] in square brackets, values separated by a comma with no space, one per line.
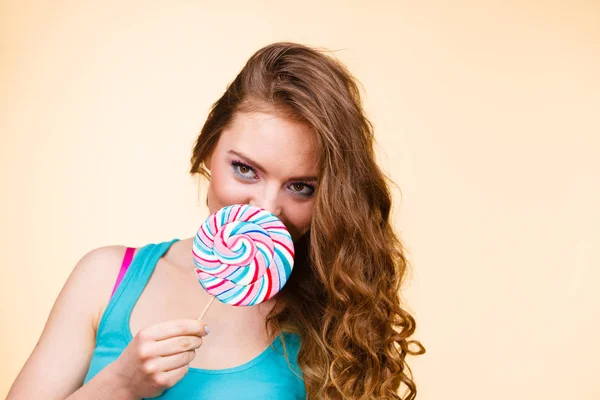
[261,169]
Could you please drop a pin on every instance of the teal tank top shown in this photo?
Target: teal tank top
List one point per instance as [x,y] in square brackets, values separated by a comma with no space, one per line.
[267,376]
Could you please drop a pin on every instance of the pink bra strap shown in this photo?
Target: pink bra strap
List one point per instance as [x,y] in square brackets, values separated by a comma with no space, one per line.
[126,261]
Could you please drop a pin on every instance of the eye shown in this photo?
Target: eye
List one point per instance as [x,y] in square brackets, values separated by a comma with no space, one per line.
[302,189]
[243,171]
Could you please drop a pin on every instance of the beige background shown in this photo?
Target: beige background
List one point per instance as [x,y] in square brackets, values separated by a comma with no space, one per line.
[486,115]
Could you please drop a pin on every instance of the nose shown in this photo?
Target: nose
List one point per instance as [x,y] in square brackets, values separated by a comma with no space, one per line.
[268,201]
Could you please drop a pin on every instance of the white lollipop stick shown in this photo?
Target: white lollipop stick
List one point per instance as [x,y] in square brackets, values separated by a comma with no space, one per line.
[207,307]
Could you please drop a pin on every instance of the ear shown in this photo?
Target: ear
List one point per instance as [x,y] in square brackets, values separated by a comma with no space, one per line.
[207,161]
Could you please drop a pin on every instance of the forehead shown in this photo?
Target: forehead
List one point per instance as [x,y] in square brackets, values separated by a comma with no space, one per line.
[282,146]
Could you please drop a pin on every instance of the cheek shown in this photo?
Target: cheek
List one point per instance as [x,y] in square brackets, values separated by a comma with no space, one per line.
[223,190]
[298,218]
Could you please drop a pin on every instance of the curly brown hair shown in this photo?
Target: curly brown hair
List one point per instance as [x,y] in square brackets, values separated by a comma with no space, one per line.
[343,298]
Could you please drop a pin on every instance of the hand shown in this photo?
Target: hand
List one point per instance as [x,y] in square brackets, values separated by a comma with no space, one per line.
[158,357]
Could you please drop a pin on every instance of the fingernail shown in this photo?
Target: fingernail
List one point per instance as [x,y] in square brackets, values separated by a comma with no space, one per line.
[206,329]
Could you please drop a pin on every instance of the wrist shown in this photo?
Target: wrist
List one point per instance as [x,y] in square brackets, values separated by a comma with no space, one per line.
[118,383]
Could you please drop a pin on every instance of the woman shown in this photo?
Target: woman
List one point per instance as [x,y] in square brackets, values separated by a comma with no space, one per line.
[289,135]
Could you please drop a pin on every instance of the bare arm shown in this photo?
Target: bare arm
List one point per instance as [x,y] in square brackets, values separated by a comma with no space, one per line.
[156,359]
[59,362]
[103,386]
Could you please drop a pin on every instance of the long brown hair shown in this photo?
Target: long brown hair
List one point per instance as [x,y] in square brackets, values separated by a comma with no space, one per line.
[343,297]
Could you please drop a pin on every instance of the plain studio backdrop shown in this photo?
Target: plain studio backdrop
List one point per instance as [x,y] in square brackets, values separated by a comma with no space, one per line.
[486,116]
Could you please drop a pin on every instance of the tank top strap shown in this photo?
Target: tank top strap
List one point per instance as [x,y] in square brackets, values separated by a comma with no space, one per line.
[114,325]
[129,251]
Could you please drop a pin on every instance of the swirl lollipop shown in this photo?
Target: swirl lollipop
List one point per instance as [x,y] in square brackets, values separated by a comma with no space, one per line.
[243,255]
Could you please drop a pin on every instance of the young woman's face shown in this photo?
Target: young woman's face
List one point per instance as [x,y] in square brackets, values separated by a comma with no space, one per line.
[267,161]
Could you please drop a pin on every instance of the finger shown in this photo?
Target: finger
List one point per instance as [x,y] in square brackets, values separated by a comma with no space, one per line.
[168,379]
[169,329]
[175,361]
[176,345]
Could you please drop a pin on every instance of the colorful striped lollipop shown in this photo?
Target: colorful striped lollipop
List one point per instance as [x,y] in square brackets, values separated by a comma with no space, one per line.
[243,255]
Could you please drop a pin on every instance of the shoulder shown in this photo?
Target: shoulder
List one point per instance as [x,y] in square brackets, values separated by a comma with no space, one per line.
[94,276]
[100,264]
[68,337]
